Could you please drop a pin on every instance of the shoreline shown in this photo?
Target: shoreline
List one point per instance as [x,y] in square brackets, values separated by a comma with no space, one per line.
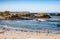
[12,34]
[6,27]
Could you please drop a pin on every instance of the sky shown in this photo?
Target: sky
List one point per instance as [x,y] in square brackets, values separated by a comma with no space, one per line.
[30,5]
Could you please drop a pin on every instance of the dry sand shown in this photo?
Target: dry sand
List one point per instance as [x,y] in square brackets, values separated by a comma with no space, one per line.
[5,34]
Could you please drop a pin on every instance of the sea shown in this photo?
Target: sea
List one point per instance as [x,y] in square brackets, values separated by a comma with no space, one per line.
[32,24]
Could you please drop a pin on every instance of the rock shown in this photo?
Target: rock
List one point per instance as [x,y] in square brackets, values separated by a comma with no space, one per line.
[55,14]
[42,16]
[58,25]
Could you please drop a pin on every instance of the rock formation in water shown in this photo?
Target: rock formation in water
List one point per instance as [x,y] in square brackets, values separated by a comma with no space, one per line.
[58,25]
[13,16]
[42,16]
[55,14]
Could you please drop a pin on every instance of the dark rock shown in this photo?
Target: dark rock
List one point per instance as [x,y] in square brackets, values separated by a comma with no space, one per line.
[58,25]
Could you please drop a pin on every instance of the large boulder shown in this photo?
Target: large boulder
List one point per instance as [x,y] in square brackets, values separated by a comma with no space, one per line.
[39,15]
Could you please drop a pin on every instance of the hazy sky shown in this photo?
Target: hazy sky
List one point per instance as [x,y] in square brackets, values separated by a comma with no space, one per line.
[30,5]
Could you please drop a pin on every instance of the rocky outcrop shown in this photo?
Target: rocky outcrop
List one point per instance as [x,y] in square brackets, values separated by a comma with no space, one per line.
[42,16]
[13,16]
[58,25]
[55,14]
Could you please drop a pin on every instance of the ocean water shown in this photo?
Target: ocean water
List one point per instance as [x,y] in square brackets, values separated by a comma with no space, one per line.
[32,24]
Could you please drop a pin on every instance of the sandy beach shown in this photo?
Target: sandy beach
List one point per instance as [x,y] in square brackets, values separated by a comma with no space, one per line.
[13,34]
